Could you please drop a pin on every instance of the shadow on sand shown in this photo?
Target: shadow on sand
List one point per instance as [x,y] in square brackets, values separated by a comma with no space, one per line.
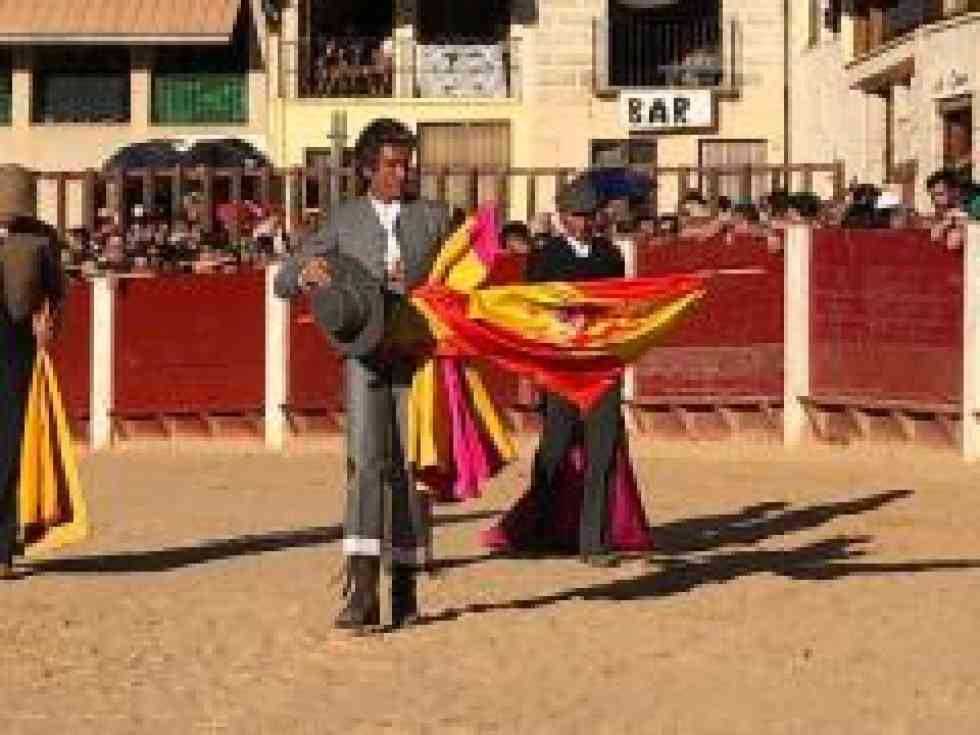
[177,557]
[691,553]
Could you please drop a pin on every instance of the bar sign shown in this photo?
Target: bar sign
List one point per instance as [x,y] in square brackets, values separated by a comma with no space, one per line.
[668,109]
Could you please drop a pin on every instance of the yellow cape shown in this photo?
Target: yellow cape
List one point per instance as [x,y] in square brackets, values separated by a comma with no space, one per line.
[51,508]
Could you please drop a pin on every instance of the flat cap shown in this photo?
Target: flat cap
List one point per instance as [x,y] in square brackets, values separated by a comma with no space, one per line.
[578,197]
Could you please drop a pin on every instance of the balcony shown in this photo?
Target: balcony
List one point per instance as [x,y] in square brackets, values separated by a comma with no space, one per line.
[883,23]
[640,50]
[373,67]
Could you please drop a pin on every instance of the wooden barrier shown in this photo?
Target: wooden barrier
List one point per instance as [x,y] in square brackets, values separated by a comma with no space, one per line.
[880,323]
[72,354]
[315,378]
[189,346]
[720,368]
[886,332]
[303,193]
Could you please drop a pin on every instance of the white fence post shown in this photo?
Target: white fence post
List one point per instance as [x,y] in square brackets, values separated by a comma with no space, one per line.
[970,431]
[276,321]
[100,409]
[796,333]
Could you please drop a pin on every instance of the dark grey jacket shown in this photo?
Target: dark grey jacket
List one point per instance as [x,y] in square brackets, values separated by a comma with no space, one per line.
[353,228]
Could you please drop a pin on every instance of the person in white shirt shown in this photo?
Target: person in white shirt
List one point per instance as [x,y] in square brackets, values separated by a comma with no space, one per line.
[395,240]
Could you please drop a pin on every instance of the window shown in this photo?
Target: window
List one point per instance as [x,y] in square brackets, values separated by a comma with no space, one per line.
[347,49]
[202,84]
[6,89]
[480,146]
[678,44]
[447,20]
[630,152]
[813,37]
[833,10]
[742,154]
[81,85]
[958,135]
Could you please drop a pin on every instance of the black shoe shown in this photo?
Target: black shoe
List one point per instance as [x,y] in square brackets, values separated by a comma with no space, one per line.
[363,609]
[602,560]
[404,597]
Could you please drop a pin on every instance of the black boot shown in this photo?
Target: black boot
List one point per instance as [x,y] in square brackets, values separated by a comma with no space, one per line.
[404,599]
[363,609]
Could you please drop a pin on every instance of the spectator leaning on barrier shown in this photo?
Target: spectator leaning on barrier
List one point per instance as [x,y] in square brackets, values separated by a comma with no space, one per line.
[946,191]
[516,238]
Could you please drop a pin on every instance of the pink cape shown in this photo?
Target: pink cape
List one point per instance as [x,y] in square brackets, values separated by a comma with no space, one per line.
[539,523]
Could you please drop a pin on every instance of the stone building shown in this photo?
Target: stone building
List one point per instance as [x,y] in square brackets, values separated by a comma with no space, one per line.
[887,87]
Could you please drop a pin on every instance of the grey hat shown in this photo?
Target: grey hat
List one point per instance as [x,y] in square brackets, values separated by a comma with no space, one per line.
[351,308]
[578,197]
[17,193]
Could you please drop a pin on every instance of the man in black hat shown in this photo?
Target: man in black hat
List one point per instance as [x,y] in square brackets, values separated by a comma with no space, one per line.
[31,287]
[376,238]
[576,253]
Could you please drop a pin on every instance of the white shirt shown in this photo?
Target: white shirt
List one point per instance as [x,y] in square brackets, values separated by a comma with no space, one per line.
[388,214]
[581,249]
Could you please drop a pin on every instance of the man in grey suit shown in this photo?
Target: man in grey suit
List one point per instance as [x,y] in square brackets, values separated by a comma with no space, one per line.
[395,240]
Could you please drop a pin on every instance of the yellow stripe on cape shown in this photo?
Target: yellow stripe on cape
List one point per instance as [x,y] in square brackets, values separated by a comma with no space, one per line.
[51,507]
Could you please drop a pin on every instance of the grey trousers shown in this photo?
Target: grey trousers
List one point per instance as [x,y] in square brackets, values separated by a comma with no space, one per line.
[385,516]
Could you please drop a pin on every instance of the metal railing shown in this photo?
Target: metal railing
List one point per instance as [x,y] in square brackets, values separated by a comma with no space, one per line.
[700,53]
[305,195]
[451,67]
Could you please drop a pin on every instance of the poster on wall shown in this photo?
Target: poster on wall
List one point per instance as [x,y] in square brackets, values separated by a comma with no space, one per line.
[666,109]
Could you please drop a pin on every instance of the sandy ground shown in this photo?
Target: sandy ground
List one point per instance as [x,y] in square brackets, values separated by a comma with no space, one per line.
[833,591]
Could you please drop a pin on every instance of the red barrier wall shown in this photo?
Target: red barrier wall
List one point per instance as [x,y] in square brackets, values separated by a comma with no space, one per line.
[72,350]
[886,317]
[315,378]
[189,344]
[730,344]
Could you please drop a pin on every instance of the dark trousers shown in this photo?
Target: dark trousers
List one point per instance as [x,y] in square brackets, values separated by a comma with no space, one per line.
[16,364]
[599,429]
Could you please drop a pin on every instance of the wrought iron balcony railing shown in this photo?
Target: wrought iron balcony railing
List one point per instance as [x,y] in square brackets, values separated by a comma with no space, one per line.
[338,66]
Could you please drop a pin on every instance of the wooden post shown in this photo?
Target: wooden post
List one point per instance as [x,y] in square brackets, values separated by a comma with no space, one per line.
[62,204]
[100,406]
[177,195]
[502,194]
[683,184]
[745,183]
[148,182]
[473,186]
[88,201]
[338,140]
[714,187]
[441,186]
[775,180]
[970,435]
[235,194]
[276,330]
[265,186]
[840,180]
[796,333]
[324,186]
[531,195]
[807,177]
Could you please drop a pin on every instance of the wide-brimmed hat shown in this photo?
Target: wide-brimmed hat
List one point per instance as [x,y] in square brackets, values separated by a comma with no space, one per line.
[351,308]
[17,193]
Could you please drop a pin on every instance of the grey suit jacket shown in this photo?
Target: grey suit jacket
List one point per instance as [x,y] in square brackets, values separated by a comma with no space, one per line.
[353,228]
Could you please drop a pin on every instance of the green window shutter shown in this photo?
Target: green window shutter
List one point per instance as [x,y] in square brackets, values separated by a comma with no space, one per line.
[6,96]
[188,98]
